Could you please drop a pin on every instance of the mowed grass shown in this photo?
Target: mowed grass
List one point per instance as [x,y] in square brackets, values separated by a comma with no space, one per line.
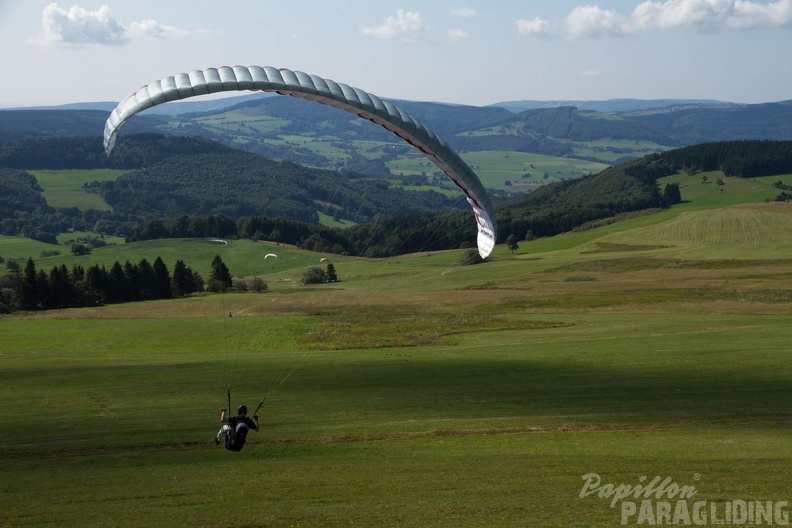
[20,249]
[63,188]
[490,424]
[416,392]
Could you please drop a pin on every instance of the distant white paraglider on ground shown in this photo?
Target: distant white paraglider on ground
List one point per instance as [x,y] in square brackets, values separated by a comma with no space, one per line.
[313,88]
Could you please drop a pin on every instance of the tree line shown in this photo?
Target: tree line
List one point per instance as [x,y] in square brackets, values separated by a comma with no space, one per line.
[744,159]
[26,288]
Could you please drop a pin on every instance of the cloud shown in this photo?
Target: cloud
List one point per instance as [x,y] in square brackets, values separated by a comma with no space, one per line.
[537,26]
[705,15]
[593,21]
[405,25]
[591,74]
[153,29]
[463,12]
[79,26]
[456,34]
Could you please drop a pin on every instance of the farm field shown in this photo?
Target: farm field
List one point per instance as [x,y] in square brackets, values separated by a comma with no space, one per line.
[614,149]
[63,188]
[495,168]
[418,391]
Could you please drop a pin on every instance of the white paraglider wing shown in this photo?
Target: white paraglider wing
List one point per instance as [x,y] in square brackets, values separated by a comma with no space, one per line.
[324,91]
[271,255]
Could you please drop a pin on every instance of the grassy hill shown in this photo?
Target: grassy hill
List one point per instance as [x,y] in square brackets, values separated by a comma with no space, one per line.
[419,391]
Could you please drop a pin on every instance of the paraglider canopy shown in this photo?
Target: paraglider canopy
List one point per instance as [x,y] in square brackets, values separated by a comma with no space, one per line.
[324,91]
[323,260]
[271,255]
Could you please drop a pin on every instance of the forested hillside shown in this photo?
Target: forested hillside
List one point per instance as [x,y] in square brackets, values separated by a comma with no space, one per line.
[632,186]
[20,124]
[744,159]
[702,124]
[236,183]
[173,176]
[186,178]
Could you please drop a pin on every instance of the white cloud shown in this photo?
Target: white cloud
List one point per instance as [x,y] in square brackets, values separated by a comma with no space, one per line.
[463,12]
[536,26]
[456,34]
[751,15]
[78,26]
[706,15]
[153,29]
[593,21]
[591,74]
[405,25]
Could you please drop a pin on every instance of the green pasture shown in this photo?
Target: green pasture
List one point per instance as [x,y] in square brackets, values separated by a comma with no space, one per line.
[419,391]
[76,236]
[494,168]
[243,257]
[384,411]
[610,150]
[239,121]
[20,248]
[329,221]
[707,193]
[63,188]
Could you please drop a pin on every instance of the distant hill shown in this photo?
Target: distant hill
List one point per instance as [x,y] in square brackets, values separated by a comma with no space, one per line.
[567,122]
[198,104]
[324,137]
[687,126]
[607,106]
[19,124]
[175,176]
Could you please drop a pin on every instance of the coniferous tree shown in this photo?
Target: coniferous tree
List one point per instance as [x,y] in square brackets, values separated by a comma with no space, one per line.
[162,280]
[43,292]
[182,283]
[220,276]
[671,194]
[96,281]
[28,287]
[116,289]
[134,281]
[147,280]
[331,273]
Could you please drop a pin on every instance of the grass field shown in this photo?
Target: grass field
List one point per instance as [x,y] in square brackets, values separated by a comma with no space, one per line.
[614,149]
[63,188]
[494,168]
[418,392]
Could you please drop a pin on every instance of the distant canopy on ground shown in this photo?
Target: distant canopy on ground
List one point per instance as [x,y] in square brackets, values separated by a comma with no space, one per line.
[324,91]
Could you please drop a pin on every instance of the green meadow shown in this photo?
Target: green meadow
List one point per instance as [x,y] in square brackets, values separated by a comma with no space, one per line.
[63,188]
[495,168]
[419,391]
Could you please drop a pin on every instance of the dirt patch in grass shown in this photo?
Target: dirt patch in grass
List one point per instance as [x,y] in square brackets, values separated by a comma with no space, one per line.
[609,247]
[384,330]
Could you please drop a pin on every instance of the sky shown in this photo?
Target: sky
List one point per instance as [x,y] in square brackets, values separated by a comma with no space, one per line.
[466,52]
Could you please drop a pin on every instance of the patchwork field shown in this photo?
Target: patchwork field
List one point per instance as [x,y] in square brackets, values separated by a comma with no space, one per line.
[419,391]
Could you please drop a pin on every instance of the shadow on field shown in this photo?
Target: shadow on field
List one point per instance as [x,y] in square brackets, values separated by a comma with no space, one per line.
[392,395]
